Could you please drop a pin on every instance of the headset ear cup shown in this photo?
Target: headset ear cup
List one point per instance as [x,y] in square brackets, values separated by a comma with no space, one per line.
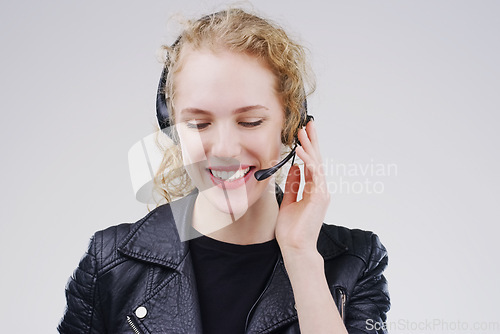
[161,102]
[304,119]
[162,112]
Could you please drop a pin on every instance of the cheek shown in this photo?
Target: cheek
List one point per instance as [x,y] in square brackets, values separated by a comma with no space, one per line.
[192,148]
[277,144]
[267,146]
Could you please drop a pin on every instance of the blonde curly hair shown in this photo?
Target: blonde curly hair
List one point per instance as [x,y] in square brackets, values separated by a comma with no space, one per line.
[235,30]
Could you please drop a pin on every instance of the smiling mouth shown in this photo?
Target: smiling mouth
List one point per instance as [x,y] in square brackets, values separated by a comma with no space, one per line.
[229,176]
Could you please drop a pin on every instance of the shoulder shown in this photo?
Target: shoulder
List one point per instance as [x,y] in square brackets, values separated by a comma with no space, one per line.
[362,244]
[156,238]
[356,264]
[105,244]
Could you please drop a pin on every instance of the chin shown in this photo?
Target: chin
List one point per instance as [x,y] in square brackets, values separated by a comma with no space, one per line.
[233,201]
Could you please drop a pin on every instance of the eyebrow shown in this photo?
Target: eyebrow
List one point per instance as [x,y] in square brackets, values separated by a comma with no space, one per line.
[198,111]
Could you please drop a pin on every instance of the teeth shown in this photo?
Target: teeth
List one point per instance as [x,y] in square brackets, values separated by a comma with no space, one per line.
[230,176]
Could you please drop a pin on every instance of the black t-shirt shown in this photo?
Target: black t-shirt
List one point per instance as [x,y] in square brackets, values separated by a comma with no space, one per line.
[230,279]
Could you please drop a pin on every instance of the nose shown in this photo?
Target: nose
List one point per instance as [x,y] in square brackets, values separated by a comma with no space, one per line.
[226,142]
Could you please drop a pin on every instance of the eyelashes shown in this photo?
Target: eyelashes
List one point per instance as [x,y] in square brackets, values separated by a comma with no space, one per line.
[203,125]
[197,126]
[251,124]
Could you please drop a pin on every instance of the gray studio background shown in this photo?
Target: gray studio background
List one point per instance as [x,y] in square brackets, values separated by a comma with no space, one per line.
[407,102]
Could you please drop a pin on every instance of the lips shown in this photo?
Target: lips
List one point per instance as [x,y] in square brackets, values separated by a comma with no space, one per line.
[230,177]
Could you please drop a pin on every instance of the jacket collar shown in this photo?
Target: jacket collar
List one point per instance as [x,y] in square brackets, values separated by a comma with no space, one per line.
[161,236]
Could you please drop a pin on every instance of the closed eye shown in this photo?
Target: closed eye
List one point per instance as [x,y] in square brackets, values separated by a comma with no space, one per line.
[197,126]
[251,124]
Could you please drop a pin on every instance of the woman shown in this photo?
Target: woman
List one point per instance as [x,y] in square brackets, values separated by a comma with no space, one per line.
[234,254]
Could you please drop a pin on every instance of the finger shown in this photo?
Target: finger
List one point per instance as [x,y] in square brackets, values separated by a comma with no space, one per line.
[291,186]
[313,172]
[308,161]
[305,142]
[310,145]
[313,135]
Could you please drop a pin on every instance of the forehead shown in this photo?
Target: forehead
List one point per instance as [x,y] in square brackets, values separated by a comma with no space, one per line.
[222,77]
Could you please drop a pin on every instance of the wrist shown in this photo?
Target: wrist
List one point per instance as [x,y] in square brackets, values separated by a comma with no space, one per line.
[302,258]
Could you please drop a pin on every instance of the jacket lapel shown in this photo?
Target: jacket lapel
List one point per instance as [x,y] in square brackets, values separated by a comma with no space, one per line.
[275,307]
[160,237]
[172,304]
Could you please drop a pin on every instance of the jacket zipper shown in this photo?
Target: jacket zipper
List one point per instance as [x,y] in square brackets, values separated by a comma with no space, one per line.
[342,303]
[132,325]
[263,291]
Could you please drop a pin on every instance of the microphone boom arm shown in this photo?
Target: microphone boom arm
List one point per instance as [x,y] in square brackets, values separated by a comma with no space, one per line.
[265,173]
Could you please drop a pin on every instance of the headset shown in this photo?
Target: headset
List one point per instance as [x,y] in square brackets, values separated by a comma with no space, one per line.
[162,114]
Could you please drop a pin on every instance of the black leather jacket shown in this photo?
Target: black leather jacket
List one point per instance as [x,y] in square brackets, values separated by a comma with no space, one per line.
[138,278]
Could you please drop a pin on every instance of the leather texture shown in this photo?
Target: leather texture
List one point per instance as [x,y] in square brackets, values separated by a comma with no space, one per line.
[138,278]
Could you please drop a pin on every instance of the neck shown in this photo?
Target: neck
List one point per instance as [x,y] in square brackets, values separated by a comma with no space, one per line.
[256,225]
